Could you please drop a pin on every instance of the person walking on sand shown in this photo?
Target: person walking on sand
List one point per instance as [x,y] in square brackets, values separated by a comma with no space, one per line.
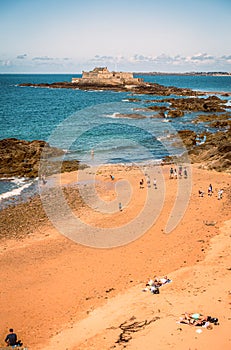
[185,173]
[148,182]
[43,178]
[171,173]
[175,173]
[154,183]
[210,190]
[120,206]
[180,171]
[220,194]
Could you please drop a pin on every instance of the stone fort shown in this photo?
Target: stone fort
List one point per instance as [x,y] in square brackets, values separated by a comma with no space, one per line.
[101,75]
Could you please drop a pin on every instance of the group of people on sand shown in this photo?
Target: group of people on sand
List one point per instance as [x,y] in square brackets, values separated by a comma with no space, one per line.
[154,284]
[174,174]
[148,181]
[12,339]
[210,192]
[192,319]
[197,319]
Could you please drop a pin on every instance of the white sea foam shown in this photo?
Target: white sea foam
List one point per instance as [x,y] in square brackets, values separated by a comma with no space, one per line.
[113,115]
[16,191]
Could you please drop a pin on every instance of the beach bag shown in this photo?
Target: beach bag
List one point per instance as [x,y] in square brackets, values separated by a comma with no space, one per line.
[213,319]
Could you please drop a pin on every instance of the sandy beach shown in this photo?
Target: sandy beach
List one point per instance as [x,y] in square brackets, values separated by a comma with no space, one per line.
[59,294]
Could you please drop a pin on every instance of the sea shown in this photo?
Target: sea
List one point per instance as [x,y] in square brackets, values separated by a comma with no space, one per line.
[86,122]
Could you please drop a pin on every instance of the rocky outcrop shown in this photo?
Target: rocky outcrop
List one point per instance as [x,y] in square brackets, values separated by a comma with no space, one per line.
[195,104]
[213,153]
[141,88]
[130,115]
[23,158]
[175,113]
[218,121]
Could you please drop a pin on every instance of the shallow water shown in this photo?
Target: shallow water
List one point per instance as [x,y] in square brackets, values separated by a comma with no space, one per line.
[79,121]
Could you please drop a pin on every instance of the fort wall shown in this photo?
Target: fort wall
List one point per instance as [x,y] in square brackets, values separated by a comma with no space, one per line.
[102,75]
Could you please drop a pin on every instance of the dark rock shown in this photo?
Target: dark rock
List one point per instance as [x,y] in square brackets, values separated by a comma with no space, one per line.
[174,113]
[131,115]
[188,137]
[158,115]
[25,158]
[157,108]
[195,104]
[141,88]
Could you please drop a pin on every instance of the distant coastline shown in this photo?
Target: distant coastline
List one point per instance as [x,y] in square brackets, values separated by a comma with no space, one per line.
[213,74]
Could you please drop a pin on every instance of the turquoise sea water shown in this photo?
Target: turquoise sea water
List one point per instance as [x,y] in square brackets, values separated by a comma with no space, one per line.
[79,121]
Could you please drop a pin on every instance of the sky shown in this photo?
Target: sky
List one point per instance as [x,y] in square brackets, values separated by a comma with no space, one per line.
[68,36]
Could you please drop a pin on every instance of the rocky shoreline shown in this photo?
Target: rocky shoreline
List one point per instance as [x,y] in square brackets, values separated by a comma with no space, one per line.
[31,158]
[141,88]
[213,154]
[28,159]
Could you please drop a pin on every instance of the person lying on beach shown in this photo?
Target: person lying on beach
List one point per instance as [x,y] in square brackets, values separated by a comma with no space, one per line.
[191,319]
[197,319]
[154,284]
[158,282]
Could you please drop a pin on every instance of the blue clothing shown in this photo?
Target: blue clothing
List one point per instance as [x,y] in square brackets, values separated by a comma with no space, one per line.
[11,339]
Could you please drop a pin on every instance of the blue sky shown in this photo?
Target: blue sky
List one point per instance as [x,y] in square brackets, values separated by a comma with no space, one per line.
[136,35]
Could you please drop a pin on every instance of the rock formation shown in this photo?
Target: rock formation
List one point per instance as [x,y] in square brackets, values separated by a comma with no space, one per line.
[23,158]
[213,153]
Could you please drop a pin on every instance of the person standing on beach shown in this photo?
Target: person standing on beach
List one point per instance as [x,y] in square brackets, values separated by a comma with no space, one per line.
[43,178]
[220,193]
[171,173]
[185,173]
[154,183]
[92,154]
[120,206]
[148,182]
[210,190]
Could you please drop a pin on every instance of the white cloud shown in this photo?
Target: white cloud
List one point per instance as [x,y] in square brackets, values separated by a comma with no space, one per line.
[6,63]
[137,62]
[201,57]
[42,58]
[22,57]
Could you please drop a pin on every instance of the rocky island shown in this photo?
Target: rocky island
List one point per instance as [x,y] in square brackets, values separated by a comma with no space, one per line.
[22,158]
[100,78]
